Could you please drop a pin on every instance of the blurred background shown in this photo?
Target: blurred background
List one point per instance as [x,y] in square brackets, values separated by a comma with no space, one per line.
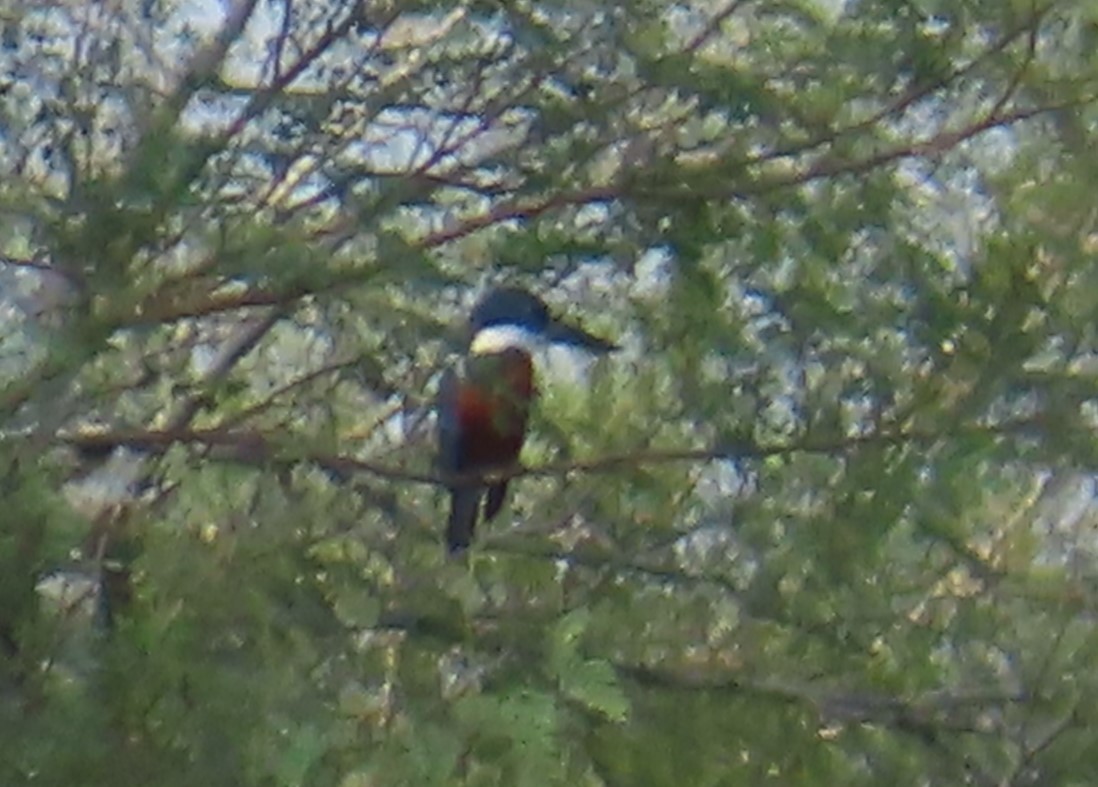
[828,518]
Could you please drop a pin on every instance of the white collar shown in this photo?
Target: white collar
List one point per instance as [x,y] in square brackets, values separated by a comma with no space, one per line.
[497,338]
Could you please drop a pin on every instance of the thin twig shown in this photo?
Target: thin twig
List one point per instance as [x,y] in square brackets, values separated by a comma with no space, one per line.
[259,448]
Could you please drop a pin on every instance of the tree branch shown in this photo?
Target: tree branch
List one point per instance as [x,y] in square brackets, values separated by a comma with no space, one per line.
[931,714]
[259,448]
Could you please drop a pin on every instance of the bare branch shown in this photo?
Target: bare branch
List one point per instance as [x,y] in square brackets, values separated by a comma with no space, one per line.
[206,62]
[713,26]
[258,448]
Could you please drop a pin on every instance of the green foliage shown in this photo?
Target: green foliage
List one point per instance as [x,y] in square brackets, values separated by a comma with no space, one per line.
[590,682]
[512,737]
[826,519]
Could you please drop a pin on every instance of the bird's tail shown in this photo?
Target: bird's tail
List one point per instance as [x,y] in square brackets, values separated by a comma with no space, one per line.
[497,493]
[464,505]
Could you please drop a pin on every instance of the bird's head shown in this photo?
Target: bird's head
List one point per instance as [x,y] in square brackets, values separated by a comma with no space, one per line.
[512,317]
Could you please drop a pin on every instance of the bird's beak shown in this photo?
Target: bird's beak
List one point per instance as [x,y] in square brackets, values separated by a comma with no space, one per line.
[558,332]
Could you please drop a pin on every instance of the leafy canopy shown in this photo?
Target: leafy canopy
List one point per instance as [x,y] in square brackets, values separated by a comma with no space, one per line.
[826,520]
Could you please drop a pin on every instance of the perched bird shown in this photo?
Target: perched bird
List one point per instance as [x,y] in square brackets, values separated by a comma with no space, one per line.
[484,404]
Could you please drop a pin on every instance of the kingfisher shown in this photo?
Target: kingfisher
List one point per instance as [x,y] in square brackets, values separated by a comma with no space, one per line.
[484,404]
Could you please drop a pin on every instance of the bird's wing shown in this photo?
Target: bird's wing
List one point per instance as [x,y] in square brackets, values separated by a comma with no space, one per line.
[464,500]
[449,423]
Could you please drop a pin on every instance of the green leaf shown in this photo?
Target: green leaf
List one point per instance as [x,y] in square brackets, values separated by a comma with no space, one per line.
[595,685]
[356,608]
